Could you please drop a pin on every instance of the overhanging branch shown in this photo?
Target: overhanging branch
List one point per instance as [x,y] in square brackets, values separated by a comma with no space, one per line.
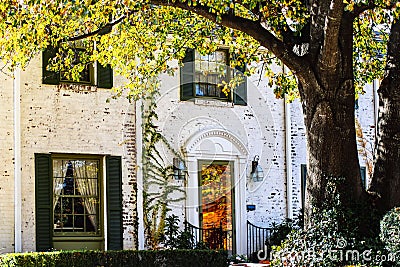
[253,28]
[359,9]
[105,28]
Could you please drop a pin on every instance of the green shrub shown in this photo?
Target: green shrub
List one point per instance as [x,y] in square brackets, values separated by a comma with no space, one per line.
[390,231]
[145,258]
[334,232]
[281,230]
[174,238]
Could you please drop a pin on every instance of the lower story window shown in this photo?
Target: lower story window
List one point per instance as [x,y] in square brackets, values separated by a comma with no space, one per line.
[76,196]
[71,207]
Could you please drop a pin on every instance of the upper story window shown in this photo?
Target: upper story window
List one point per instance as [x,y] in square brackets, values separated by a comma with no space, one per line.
[92,74]
[210,72]
[86,75]
[203,76]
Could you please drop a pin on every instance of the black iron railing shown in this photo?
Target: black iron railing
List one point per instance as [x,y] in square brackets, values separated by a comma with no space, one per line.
[213,238]
[257,239]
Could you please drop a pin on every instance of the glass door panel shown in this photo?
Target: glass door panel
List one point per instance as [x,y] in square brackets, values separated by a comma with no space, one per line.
[216,200]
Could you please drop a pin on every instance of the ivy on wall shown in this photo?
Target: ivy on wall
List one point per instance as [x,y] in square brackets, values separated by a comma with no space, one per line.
[159,188]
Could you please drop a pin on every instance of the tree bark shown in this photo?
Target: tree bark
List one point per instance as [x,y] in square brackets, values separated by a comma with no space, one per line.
[385,184]
[330,124]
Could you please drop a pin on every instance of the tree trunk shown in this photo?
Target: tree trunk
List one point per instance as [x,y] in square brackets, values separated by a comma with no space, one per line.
[328,98]
[385,183]
[332,149]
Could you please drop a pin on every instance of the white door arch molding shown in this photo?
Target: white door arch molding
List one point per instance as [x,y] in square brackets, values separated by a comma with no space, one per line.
[218,145]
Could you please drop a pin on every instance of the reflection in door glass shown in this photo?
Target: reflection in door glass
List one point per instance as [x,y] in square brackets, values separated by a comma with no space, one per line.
[216,204]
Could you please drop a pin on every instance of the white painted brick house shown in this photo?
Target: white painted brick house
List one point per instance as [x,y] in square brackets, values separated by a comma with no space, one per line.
[43,130]
[69,159]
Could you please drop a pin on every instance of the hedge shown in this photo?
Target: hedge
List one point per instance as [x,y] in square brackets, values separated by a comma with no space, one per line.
[89,258]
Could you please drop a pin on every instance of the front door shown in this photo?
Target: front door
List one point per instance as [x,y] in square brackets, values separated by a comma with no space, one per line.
[216,204]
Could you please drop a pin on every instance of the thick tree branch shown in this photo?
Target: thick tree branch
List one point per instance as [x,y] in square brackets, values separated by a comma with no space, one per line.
[106,28]
[253,28]
[330,54]
[359,9]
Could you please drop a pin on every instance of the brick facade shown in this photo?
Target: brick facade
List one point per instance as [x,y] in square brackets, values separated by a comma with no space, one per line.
[77,119]
[7,168]
[68,119]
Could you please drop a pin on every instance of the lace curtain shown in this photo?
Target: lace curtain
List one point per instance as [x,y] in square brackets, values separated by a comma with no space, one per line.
[85,178]
[86,182]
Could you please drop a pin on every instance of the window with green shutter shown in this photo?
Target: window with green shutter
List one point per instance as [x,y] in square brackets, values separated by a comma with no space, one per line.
[104,74]
[202,76]
[69,201]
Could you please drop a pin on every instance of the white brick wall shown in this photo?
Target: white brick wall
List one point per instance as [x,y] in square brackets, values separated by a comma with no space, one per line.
[71,120]
[366,116]
[64,120]
[7,165]
[259,126]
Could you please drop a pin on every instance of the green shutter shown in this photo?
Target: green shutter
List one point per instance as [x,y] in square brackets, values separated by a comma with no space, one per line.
[303,170]
[43,193]
[114,202]
[104,76]
[105,73]
[187,75]
[49,77]
[363,173]
[240,92]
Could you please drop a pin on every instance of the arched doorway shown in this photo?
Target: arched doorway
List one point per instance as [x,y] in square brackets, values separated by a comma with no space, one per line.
[216,162]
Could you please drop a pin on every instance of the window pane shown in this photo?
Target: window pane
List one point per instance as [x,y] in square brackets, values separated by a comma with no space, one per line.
[67,223]
[212,57]
[79,223]
[211,71]
[213,79]
[76,195]
[91,223]
[201,78]
[57,221]
[197,65]
[212,90]
[204,67]
[58,170]
[201,89]
[204,58]
[66,205]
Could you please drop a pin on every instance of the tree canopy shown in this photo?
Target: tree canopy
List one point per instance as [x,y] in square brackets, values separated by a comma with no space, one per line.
[146,35]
